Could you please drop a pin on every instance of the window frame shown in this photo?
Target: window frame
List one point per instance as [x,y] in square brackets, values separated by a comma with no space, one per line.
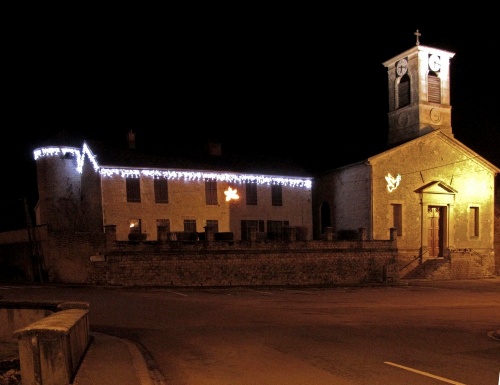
[276,195]
[190,225]
[397,218]
[473,222]
[135,226]
[133,189]
[213,223]
[251,194]
[161,190]
[211,192]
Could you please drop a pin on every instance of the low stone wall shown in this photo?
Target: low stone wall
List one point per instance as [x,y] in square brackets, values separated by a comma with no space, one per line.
[307,263]
[81,258]
[468,264]
[52,338]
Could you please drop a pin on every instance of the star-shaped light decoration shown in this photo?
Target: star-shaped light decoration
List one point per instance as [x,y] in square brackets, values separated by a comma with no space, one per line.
[231,194]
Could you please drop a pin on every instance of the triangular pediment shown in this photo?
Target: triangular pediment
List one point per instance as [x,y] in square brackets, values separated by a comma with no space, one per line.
[436,187]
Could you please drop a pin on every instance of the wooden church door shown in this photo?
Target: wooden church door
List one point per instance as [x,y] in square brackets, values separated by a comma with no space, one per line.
[434,231]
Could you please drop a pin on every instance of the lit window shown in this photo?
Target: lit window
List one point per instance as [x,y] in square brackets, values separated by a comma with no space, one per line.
[135,225]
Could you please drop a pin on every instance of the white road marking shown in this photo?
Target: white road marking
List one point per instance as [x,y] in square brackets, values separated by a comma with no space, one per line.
[25,287]
[176,292]
[425,373]
[260,291]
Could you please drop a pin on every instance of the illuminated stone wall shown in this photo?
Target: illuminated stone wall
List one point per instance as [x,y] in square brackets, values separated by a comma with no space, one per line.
[77,193]
[434,170]
[58,189]
[497,224]
[186,201]
[296,208]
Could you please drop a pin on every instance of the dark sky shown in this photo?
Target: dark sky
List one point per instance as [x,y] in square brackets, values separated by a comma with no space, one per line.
[306,84]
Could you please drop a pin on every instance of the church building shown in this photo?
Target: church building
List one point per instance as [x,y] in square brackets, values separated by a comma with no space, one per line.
[437,192]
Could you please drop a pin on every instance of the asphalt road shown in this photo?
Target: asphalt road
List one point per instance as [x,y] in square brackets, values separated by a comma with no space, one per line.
[424,333]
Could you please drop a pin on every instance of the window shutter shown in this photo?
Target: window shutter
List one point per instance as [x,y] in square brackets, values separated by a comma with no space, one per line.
[434,88]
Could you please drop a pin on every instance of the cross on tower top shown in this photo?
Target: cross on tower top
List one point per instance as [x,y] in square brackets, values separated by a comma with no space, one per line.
[417,34]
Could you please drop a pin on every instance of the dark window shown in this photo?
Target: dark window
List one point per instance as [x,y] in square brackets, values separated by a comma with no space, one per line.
[214,223]
[404,91]
[275,229]
[211,192]
[133,189]
[161,190]
[277,195]
[474,222]
[397,215]
[433,88]
[247,225]
[251,193]
[190,225]
[163,223]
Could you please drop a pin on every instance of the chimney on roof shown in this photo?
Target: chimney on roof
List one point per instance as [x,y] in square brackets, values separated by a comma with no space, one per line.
[131,139]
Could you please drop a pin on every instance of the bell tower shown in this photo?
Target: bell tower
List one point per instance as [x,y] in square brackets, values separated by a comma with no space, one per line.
[419,93]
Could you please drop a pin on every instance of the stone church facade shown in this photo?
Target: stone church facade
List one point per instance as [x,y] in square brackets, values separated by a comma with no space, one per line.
[433,189]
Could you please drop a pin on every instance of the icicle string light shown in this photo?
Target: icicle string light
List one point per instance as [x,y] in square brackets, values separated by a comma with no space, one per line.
[186,175]
[56,151]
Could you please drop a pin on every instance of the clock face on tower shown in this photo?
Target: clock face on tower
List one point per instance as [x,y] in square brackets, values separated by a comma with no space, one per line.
[434,62]
[402,67]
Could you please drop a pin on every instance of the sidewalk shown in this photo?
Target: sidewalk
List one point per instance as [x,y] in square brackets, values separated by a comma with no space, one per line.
[111,360]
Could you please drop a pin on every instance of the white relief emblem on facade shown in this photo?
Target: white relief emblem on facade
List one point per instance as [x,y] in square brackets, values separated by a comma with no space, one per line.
[392,183]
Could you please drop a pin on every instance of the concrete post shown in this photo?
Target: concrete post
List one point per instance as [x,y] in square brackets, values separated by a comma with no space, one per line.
[110,232]
[290,233]
[209,233]
[330,235]
[162,234]
[252,234]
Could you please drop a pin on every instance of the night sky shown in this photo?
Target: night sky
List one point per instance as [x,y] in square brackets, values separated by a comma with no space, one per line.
[304,84]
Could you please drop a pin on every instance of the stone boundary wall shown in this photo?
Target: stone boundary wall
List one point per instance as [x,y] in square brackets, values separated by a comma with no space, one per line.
[98,259]
[240,267]
[244,263]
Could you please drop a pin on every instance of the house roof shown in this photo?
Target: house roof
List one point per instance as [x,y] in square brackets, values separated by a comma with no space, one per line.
[198,159]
